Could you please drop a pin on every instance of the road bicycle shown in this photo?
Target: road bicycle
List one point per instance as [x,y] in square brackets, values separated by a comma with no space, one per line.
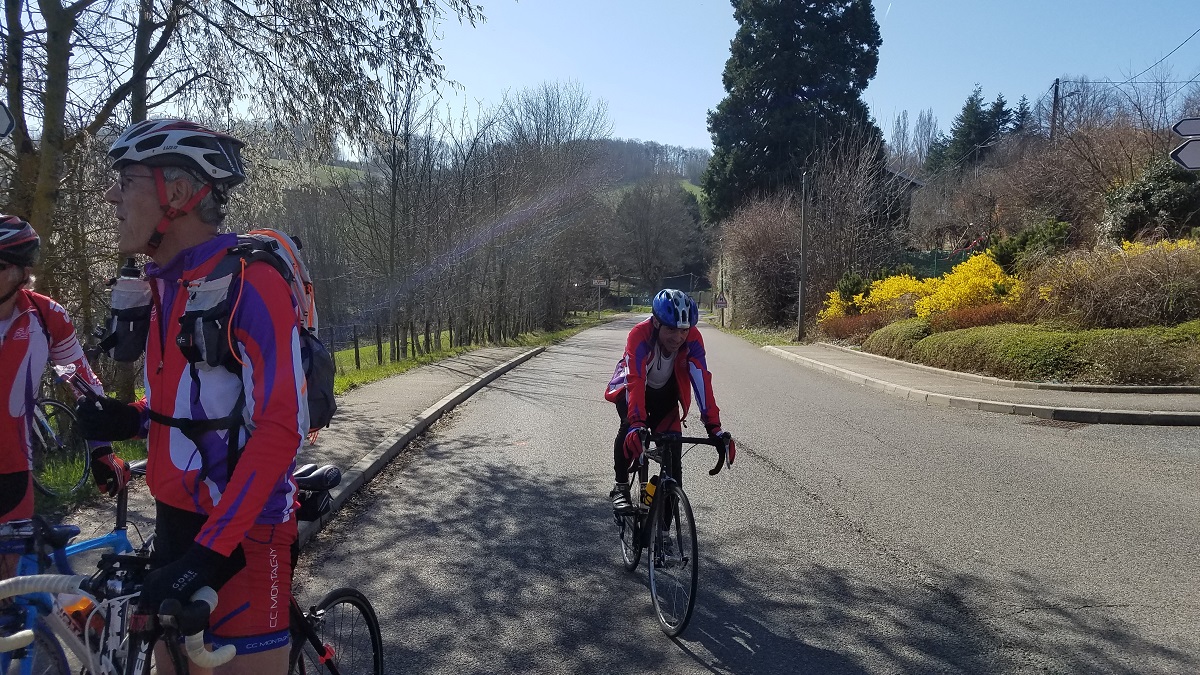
[94,617]
[339,635]
[60,454]
[661,522]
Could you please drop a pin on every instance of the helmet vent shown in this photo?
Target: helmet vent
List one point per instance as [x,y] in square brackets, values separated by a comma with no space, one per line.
[149,143]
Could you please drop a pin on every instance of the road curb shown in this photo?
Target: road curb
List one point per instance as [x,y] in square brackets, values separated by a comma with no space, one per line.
[369,466]
[1065,414]
[1024,384]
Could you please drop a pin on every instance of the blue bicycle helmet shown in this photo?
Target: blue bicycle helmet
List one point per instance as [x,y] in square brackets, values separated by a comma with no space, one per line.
[675,309]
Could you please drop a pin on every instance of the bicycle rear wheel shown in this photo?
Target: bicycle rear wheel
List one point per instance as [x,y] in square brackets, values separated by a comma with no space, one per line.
[673,558]
[346,622]
[60,453]
[631,539]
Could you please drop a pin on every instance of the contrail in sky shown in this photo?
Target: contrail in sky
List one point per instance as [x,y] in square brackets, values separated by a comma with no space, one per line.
[887,11]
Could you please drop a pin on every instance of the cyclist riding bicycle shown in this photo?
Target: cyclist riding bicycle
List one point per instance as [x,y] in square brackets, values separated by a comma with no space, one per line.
[648,387]
[34,331]
[225,409]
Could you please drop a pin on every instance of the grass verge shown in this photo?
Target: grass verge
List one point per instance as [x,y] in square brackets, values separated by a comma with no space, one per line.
[757,335]
[350,378]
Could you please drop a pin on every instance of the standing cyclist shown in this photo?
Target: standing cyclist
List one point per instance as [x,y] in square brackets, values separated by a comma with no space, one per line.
[225,409]
[662,354]
[34,331]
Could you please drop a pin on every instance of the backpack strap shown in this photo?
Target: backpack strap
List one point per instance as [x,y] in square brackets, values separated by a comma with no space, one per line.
[195,429]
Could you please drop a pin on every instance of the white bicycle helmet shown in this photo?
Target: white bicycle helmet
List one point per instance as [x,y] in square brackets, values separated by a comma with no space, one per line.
[212,155]
[675,309]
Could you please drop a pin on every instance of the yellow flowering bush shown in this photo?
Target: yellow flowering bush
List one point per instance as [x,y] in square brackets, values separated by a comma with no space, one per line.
[893,293]
[1132,248]
[835,307]
[976,281]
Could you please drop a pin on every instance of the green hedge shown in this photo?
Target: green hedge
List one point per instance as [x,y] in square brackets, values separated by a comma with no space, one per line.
[1152,355]
[897,339]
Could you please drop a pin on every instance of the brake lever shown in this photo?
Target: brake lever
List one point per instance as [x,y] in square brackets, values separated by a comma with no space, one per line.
[720,460]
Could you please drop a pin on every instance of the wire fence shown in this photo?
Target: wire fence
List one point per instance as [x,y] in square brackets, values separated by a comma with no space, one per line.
[367,345]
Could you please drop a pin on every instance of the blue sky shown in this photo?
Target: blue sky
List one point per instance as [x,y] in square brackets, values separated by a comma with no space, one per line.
[658,63]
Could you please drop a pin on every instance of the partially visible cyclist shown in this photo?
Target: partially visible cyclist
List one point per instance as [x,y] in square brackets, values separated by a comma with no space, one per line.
[663,356]
[34,331]
[226,408]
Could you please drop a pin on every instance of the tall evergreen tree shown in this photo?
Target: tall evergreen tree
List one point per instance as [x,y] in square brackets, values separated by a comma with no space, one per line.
[971,136]
[794,82]
[999,116]
[1022,121]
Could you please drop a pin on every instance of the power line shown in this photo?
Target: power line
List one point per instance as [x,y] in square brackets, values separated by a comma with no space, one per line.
[1181,44]
[1127,81]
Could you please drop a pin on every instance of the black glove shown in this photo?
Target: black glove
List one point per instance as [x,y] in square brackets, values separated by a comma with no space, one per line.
[110,472]
[199,567]
[107,419]
[715,432]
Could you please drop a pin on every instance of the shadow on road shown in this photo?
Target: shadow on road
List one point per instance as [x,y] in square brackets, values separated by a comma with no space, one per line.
[475,567]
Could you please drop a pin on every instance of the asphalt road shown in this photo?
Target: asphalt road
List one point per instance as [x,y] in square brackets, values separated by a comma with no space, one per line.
[858,533]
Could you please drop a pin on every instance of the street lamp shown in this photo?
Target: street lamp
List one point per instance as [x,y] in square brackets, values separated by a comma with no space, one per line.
[1055,106]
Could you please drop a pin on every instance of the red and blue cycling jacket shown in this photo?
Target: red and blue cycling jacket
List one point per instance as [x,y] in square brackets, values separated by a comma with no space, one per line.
[629,379]
[25,349]
[264,334]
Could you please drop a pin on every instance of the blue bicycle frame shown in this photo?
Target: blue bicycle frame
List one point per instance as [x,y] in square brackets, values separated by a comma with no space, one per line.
[40,611]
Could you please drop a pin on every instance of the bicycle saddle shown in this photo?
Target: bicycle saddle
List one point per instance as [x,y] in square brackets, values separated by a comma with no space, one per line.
[317,478]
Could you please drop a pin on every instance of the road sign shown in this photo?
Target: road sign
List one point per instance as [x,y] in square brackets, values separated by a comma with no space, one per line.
[1187,154]
[722,303]
[599,282]
[1188,126]
[6,121]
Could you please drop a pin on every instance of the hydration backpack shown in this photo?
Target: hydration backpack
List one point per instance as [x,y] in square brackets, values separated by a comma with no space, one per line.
[205,321]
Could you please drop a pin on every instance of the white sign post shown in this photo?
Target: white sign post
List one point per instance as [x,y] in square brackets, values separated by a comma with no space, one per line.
[1187,154]
[7,123]
[599,283]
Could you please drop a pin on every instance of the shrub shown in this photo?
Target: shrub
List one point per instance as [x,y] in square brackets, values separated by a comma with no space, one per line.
[895,294]
[851,286]
[855,328]
[1152,355]
[1166,196]
[969,317]
[1030,244]
[1138,285]
[835,307]
[1140,355]
[1011,351]
[973,282]
[897,339]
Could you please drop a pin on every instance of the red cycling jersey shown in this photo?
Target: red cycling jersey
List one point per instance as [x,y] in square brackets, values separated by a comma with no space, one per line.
[265,335]
[629,379]
[26,347]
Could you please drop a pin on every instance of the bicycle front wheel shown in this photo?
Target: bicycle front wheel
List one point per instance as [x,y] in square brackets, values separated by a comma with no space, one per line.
[345,622]
[60,453]
[673,558]
[47,654]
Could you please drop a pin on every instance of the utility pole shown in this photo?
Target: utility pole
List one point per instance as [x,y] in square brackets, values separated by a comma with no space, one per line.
[803,256]
[1054,112]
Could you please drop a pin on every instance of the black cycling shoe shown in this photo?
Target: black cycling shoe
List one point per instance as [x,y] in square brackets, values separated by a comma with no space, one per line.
[620,498]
